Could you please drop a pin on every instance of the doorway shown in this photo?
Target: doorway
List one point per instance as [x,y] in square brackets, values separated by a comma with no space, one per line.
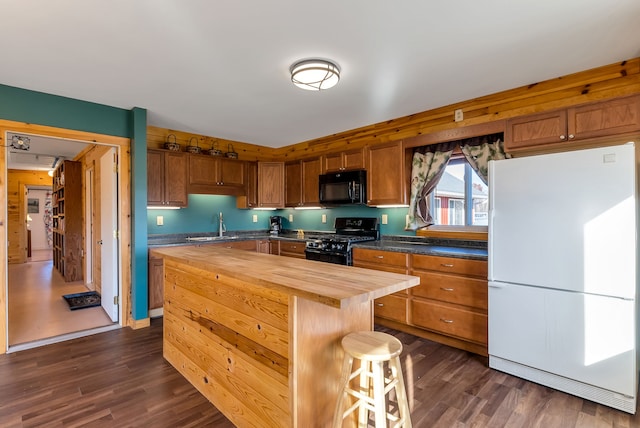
[37,313]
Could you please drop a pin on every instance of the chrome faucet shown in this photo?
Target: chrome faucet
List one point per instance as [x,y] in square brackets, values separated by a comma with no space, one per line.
[221,226]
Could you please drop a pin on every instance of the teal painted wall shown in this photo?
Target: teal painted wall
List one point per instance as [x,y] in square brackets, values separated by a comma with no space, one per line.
[22,105]
[201,216]
[139,256]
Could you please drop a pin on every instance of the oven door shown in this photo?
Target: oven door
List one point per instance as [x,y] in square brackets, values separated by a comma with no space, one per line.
[326,256]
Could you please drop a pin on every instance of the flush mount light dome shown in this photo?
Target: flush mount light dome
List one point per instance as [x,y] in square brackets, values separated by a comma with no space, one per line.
[315,74]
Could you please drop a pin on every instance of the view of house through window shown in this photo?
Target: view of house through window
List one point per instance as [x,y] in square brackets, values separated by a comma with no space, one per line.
[461,198]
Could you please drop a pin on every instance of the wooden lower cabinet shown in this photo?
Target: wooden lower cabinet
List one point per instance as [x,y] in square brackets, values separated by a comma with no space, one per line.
[449,306]
[155,283]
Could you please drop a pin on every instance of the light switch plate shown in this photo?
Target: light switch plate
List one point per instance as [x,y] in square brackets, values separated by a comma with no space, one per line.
[290,217]
[324,218]
[255,218]
[159,220]
[385,219]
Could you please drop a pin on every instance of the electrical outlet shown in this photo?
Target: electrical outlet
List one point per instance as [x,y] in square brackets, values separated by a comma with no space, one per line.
[290,217]
[159,220]
[458,116]
[324,218]
[255,218]
[385,219]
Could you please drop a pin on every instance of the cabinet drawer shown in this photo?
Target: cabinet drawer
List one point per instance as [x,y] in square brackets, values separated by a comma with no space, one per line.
[239,245]
[449,320]
[391,307]
[452,289]
[296,247]
[380,257]
[451,265]
[384,268]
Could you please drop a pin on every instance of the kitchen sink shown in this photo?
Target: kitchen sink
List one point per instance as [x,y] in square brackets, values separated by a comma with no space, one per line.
[210,238]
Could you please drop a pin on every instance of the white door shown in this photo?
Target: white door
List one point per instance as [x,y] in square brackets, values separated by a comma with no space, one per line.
[108,233]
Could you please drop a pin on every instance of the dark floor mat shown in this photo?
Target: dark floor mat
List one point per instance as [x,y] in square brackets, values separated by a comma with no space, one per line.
[88,299]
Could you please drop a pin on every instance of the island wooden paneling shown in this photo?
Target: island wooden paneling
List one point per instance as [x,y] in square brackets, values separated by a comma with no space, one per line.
[260,339]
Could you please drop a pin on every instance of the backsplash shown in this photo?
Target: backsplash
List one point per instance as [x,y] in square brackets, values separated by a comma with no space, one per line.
[201,216]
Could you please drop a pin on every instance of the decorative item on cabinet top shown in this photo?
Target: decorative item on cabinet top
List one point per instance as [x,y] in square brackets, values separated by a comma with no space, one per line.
[173,146]
[214,150]
[194,149]
[230,153]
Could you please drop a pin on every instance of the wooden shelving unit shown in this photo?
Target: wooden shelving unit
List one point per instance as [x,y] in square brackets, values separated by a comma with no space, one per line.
[67,220]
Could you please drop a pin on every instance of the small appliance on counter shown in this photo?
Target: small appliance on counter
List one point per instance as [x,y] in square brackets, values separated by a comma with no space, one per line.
[275,224]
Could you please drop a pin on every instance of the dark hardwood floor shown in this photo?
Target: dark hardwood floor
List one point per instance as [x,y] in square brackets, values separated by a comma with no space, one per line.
[119,379]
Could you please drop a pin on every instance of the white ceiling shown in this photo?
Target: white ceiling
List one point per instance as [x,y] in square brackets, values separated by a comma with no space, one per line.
[221,68]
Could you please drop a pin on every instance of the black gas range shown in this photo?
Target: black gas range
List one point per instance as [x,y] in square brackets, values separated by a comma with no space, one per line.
[336,247]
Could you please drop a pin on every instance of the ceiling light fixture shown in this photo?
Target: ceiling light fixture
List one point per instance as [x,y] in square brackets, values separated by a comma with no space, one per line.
[20,143]
[315,74]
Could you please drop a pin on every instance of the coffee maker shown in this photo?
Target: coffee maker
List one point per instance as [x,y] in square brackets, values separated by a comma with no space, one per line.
[275,224]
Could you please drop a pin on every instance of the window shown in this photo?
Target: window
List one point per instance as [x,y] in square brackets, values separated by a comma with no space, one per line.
[461,198]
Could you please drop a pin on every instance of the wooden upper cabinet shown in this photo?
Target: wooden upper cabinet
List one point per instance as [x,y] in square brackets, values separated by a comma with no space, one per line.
[302,183]
[271,184]
[167,178]
[293,184]
[343,161]
[250,198]
[600,119]
[388,169]
[216,175]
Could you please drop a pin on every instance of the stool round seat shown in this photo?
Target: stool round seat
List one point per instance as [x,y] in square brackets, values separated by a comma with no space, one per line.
[371,345]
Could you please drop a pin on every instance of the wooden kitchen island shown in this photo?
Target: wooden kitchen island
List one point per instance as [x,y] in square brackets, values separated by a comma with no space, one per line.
[259,335]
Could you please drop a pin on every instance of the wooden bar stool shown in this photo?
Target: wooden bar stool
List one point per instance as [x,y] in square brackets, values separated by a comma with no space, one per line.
[373,349]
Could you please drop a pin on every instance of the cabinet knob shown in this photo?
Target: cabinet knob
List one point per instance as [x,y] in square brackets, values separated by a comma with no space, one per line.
[562,137]
[571,136]
[446,289]
[444,320]
[379,257]
[380,304]
[448,265]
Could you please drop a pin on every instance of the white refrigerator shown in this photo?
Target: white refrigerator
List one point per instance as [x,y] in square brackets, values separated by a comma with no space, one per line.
[562,272]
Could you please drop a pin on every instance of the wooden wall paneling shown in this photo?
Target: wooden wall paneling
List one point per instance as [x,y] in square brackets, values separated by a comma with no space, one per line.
[17,182]
[604,82]
[156,137]
[123,145]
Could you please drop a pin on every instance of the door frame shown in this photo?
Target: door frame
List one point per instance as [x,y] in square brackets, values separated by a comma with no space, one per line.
[124,214]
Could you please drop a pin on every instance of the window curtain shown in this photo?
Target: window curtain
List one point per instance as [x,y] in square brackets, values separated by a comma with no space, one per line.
[429,163]
[480,150]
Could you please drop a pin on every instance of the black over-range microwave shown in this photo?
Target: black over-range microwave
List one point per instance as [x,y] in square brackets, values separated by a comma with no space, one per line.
[343,188]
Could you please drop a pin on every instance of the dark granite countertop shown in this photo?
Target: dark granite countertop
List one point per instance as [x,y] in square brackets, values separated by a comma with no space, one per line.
[397,243]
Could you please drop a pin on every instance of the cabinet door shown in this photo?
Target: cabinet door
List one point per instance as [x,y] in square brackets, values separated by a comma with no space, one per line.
[156,283]
[387,182]
[271,184]
[353,159]
[293,184]
[310,182]
[535,130]
[332,162]
[605,118]
[203,171]
[231,172]
[175,168]
[250,198]
[155,178]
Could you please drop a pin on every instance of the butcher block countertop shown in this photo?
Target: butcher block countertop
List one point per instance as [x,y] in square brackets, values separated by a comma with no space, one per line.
[333,285]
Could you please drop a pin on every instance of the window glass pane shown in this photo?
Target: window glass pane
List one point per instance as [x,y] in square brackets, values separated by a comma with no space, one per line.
[480,200]
[451,200]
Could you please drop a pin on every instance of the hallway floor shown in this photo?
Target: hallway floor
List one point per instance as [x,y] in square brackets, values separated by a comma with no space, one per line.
[36,308]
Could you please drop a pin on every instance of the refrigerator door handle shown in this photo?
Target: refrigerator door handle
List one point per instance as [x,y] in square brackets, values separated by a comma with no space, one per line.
[497,284]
